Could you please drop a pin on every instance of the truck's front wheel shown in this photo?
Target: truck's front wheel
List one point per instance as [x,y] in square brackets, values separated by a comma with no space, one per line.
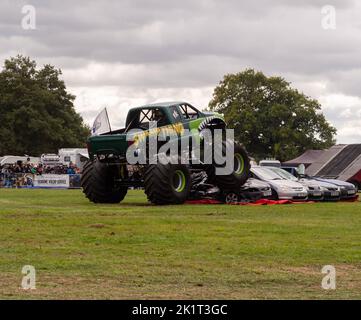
[98,183]
[240,173]
[167,183]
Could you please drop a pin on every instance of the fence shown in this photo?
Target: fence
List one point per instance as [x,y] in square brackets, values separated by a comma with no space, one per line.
[29,180]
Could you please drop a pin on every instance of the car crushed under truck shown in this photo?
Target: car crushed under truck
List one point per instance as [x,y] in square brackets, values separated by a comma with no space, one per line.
[251,191]
[108,174]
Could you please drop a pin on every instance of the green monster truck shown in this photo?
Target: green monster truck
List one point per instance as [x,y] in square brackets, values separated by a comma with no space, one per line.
[108,174]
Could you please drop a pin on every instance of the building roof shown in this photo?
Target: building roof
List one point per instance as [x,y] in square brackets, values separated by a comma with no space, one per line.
[351,170]
[307,158]
[324,158]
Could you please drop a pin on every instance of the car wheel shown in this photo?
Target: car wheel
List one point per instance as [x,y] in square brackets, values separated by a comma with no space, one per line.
[274,195]
[231,197]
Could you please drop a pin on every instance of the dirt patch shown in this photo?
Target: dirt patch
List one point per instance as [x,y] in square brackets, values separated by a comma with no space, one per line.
[97,226]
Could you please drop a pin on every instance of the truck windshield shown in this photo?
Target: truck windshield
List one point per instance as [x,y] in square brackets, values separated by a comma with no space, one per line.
[188,112]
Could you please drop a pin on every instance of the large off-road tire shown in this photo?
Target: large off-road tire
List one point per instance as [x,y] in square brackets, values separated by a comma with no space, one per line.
[98,183]
[240,173]
[167,183]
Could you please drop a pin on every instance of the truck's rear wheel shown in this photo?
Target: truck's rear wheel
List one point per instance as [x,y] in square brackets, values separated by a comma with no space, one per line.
[167,183]
[240,173]
[98,183]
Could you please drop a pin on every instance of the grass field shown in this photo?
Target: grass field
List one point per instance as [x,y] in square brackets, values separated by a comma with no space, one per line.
[136,250]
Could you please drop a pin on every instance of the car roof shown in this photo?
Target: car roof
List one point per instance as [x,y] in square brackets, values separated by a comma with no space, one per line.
[333,181]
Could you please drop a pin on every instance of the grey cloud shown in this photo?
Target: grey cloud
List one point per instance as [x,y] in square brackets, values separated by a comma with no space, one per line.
[173,45]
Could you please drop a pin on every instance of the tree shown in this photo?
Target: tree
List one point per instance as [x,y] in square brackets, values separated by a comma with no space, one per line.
[269,117]
[37,114]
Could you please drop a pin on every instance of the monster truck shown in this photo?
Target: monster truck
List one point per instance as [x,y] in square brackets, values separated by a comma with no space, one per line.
[108,174]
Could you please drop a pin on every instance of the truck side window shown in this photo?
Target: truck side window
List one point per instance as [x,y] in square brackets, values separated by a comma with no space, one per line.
[144,117]
[175,114]
[188,112]
[159,116]
[147,115]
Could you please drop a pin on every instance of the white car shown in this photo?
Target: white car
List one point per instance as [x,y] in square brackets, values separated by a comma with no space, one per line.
[282,189]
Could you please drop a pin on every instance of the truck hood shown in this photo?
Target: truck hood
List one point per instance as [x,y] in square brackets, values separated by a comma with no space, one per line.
[214,114]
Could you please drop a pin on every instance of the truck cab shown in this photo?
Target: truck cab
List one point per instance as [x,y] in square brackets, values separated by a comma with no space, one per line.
[163,113]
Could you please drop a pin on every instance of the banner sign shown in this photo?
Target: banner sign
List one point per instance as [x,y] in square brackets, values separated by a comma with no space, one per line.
[52,181]
[28,180]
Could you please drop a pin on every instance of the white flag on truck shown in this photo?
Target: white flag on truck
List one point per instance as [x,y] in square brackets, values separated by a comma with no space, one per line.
[101,123]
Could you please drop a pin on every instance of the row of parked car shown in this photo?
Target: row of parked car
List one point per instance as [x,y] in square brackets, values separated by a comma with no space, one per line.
[277,184]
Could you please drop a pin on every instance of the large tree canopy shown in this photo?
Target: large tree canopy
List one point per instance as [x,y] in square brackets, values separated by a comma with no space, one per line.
[269,117]
[37,114]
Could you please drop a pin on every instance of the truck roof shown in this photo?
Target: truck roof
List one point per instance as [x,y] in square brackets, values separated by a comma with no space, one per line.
[161,105]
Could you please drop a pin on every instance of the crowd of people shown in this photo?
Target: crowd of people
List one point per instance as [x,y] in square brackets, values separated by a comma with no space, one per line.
[11,175]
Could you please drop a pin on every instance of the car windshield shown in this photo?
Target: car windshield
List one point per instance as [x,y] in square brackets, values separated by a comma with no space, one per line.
[266,174]
[284,174]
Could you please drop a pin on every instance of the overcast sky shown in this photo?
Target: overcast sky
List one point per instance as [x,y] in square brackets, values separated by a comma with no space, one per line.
[121,54]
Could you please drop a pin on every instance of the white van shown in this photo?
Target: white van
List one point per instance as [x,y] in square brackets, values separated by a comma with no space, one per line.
[270,163]
[76,156]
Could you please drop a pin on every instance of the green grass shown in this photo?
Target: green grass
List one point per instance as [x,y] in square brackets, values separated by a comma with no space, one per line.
[137,250]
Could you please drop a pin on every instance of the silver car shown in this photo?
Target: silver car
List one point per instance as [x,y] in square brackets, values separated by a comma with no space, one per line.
[347,190]
[259,186]
[317,190]
[282,188]
[313,188]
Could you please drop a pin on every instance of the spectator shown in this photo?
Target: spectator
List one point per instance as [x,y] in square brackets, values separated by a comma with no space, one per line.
[14,174]
[70,170]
